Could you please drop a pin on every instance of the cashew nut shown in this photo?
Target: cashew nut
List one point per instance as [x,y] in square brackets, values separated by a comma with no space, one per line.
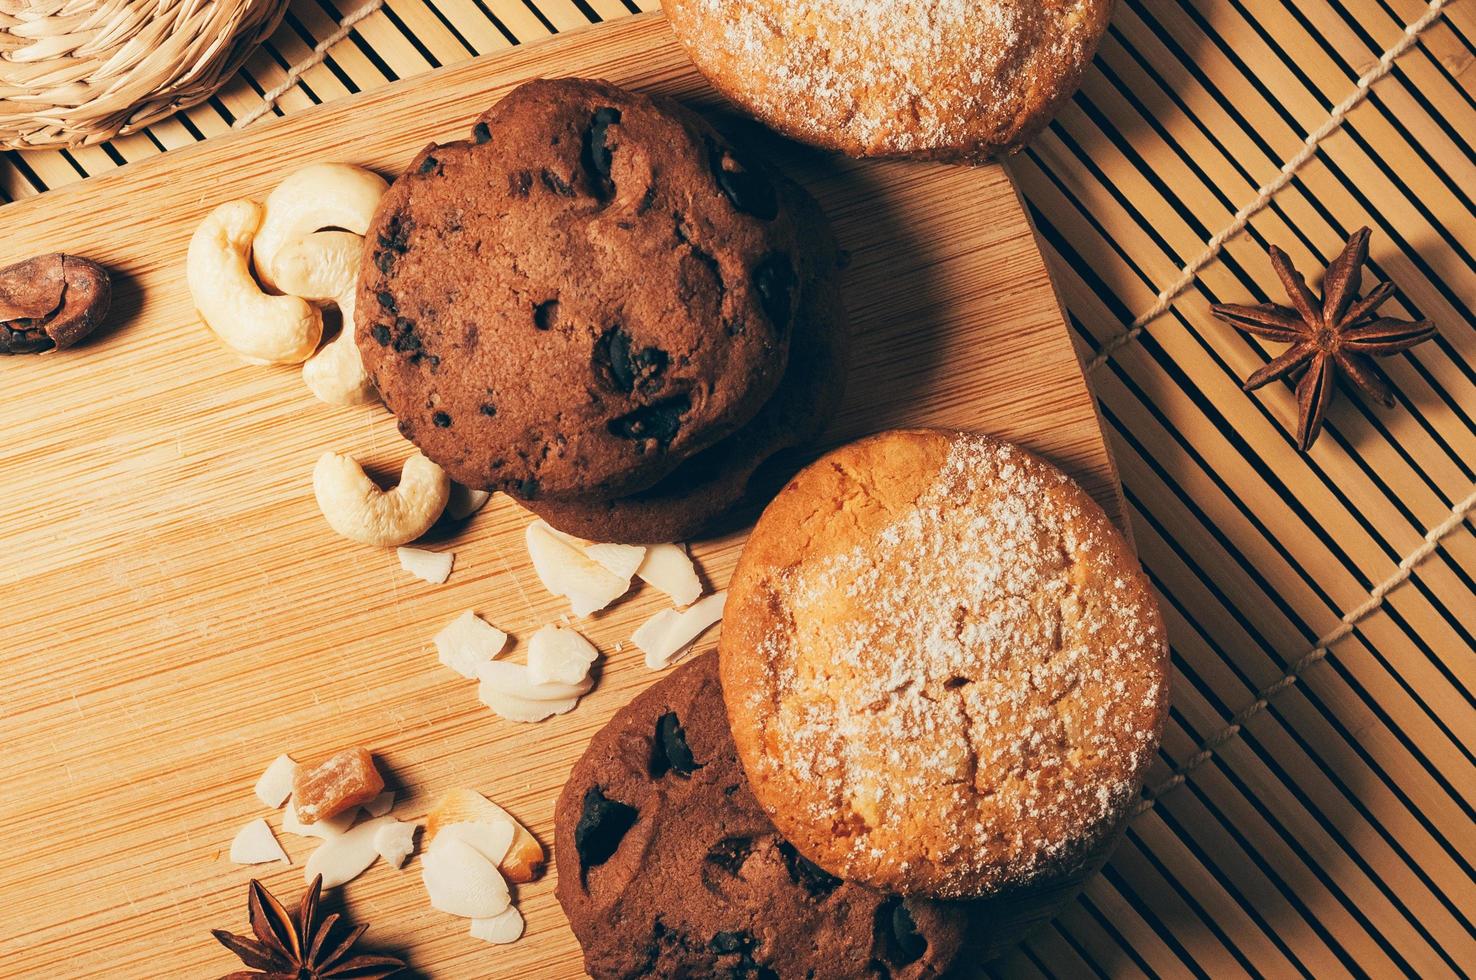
[263,329]
[320,195]
[357,509]
[336,373]
[320,267]
[324,266]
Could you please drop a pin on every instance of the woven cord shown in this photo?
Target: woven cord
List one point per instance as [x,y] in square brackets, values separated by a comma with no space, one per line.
[1457,516]
[1165,300]
[273,95]
[1266,191]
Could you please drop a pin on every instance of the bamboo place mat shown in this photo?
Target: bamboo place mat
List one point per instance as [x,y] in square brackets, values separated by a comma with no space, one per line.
[1313,810]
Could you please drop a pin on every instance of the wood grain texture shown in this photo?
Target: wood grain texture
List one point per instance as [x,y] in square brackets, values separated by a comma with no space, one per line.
[177,612]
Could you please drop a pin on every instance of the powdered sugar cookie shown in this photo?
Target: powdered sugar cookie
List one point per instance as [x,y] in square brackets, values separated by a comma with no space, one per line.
[943,79]
[944,670]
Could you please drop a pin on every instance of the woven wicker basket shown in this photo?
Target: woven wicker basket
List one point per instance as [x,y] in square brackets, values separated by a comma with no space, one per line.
[82,71]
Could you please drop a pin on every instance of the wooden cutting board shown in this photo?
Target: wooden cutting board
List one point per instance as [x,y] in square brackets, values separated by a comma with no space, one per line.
[177,612]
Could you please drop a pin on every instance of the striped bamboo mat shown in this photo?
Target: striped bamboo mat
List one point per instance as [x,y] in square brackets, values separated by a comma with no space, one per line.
[1330,828]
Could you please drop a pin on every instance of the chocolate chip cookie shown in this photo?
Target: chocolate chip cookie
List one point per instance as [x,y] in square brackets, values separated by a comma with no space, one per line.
[709,484]
[667,865]
[592,288]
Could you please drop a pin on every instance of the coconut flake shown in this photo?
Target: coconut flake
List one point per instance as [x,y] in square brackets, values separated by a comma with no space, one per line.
[467,642]
[524,860]
[394,841]
[618,559]
[343,858]
[460,880]
[511,691]
[491,838]
[514,708]
[667,567]
[464,502]
[515,679]
[275,785]
[255,844]
[334,826]
[381,804]
[506,927]
[669,634]
[557,654]
[565,570]
[432,566]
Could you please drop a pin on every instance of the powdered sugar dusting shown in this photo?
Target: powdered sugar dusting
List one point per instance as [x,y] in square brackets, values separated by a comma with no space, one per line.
[965,695]
[899,76]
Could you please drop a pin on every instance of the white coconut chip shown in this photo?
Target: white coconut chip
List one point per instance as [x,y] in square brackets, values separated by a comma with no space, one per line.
[515,679]
[255,844]
[565,570]
[394,841]
[491,838]
[557,654]
[522,710]
[504,928]
[617,559]
[432,566]
[460,880]
[510,692]
[334,826]
[381,804]
[667,635]
[464,502]
[275,785]
[564,536]
[343,858]
[467,642]
[667,567]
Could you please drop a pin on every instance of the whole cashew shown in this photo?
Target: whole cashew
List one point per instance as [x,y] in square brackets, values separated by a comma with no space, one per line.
[320,195]
[336,373]
[263,329]
[324,267]
[357,509]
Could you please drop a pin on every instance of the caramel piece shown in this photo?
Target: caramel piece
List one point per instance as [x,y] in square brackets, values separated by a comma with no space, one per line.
[341,781]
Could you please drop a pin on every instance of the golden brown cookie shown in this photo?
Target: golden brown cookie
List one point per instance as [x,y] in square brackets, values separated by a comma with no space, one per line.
[590,289]
[945,671]
[939,79]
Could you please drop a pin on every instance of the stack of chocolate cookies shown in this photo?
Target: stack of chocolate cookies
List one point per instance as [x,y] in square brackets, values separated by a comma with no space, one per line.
[602,307]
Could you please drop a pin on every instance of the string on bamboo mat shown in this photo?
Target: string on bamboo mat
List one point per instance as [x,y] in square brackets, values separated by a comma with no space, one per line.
[1457,516]
[1268,190]
[273,95]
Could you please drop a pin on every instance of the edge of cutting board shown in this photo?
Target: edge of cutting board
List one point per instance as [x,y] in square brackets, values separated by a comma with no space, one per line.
[203,606]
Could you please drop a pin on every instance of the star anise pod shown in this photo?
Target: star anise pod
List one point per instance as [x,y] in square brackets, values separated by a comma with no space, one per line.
[288,948]
[1334,336]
